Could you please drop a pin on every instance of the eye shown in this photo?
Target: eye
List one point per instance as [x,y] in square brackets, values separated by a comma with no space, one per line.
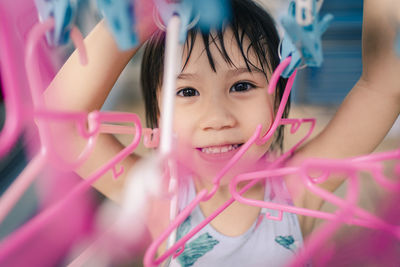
[242,87]
[187,92]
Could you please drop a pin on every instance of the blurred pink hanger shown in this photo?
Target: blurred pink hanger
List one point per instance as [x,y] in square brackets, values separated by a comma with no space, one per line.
[348,212]
[350,166]
[13,109]
[48,155]
[348,209]
[14,192]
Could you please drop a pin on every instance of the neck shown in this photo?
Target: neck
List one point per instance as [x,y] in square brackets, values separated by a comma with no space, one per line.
[223,193]
[243,216]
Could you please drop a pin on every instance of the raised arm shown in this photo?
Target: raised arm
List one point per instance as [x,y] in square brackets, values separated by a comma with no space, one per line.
[85,88]
[78,87]
[370,109]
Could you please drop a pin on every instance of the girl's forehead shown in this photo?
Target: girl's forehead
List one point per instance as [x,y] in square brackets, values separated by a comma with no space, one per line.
[224,52]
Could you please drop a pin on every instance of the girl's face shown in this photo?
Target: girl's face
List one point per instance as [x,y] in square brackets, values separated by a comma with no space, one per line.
[216,112]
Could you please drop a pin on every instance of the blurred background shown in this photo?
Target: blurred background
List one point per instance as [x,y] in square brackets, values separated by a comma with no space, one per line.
[317,93]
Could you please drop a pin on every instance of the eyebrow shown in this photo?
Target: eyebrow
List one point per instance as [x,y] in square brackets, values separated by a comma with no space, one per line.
[240,70]
[231,72]
[187,76]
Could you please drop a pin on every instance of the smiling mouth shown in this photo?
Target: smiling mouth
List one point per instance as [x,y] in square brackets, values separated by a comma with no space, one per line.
[219,149]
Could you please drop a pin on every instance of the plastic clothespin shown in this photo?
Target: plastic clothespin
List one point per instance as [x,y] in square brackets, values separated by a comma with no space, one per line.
[120,17]
[289,50]
[303,42]
[183,8]
[63,12]
[304,12]
[211,12]
[207,13]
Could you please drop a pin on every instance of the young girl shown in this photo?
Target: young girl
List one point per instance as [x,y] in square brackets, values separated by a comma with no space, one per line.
[221,97]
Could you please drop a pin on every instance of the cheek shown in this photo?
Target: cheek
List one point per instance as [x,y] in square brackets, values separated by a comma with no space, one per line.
[184,144]
[183,124]
[260,112]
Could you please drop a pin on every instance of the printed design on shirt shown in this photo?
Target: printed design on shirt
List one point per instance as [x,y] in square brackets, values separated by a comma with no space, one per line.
[195,248]
[287,242]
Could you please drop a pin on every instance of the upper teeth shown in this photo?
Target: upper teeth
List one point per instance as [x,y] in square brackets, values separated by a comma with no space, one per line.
[222,149]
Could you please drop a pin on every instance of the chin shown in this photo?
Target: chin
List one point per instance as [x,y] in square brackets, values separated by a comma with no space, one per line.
[208,166]
[207,171]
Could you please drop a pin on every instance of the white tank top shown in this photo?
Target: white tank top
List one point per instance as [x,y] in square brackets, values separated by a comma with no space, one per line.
[266,243]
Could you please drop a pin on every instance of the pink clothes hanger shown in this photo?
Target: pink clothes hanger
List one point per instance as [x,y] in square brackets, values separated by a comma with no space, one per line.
[44,116]
[349,208]
[14,192]
[17,238]
[348,212]
[351,166]
[14,120]
[95,120]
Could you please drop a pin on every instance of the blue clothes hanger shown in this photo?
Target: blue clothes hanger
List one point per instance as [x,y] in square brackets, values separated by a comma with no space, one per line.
[303,31]
[120,17]
[206,13]
[211,12]
[63,12]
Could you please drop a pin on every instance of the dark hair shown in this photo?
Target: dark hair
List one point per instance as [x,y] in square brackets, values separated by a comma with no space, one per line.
[249,20]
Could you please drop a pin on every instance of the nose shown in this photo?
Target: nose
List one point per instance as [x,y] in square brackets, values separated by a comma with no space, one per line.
[217,116]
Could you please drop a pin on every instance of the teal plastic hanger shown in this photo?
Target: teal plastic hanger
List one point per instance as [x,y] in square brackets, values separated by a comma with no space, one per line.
[120,18]
[303,41]
[63,12]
